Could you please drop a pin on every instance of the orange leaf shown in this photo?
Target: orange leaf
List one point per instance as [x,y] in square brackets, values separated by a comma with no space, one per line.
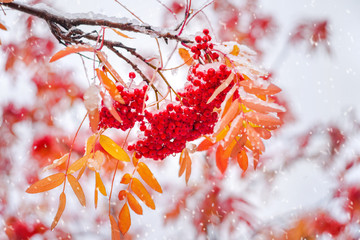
[221,161]
[263,133]
[56,162]
[76,187]
[96,196]
[81,173]
[228,117]
[71,49]
[108,66]
[256,157]
[110,107]
[185,55]
[122,194]
[47,183]
[261,119]
[261,106]
[239,145]
[115,231]
[62,203]
[100,184]
[6,1]
[204,145]
[134,204]
[78,164]
[236,129]
[188,168]
[138,188]
[135,161]
[120,33]
[90,144]
[148,177]
[250,87]
[94,119]
[2,27]
[219,89]
[182,161]
[126,178]
[109,86]
[254,138]
[235,51]
[113,149]
[124,219]
[242,160]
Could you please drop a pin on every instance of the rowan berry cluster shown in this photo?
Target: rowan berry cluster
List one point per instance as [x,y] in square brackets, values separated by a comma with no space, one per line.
[204,45]
[167,131]
[130,112]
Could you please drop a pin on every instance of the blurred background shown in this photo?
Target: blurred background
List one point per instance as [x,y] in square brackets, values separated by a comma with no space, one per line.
[307,185]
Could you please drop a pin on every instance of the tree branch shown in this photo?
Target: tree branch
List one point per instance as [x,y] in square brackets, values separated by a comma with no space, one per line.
[97,20]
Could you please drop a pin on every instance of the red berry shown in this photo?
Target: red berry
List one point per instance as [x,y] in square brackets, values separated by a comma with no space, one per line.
[132,75]
[206,31]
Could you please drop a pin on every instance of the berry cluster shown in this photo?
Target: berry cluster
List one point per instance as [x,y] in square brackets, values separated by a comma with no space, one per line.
[167,131]
[130,112]
[203,44]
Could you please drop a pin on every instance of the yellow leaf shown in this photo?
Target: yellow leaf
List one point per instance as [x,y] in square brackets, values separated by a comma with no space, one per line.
[121,34]
[223,133]
[109,86]
[62,203]
[47,183]
[235,51]
[134,204]
[138,188]
[115,231]
[108,66]
[113,149]
[71,49]
[100,184]
[56,162]
[185,55]
[124,219]
[78,164]
[76,187]
[148,177]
